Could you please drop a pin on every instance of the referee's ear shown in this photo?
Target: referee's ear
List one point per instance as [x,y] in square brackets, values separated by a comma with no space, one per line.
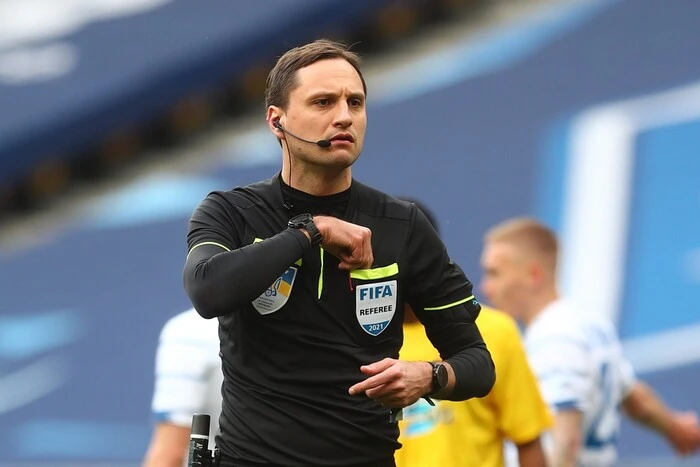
[273,119]
[274,115]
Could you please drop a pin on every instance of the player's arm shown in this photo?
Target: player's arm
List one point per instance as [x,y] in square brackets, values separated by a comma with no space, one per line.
[567,437]
[182,385]
[168,447]
[531,454]
[565,374]
[220,275]
[645,407]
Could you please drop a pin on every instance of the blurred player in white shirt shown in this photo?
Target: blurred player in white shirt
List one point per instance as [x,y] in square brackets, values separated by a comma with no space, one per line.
[575,353]
[579,364]
[188,381]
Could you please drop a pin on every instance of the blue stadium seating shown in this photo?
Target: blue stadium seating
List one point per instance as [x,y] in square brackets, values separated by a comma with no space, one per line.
[122,71]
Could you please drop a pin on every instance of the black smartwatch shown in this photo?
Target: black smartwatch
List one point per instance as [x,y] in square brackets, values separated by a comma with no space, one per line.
[306,221]
[439,377]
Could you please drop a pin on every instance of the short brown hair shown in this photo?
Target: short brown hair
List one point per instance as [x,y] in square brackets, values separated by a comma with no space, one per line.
[529,234]
[282,78]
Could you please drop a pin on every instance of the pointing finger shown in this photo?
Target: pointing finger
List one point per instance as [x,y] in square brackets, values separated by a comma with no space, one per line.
[379,377]
[378,367]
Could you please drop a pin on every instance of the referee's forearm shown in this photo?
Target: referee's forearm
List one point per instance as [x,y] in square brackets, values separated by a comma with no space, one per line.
[474,372]
[461,345]
[220,282]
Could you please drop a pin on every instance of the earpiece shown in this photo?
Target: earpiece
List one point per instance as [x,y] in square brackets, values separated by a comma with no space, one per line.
[277,124]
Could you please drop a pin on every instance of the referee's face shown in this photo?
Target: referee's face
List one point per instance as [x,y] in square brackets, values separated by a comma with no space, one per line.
[328,103]
[505,278]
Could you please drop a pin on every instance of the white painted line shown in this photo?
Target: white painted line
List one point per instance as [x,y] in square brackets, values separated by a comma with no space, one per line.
[597,191]
[32,382]
[665,350]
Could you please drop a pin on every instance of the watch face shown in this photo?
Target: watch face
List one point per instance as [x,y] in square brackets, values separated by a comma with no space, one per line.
[299,221]
[441,371]
[306,221]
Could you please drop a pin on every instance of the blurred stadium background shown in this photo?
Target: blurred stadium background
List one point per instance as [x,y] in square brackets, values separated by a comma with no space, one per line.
[118,116]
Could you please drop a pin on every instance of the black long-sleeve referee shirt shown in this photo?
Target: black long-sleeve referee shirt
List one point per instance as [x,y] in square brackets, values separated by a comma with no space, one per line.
[295,329]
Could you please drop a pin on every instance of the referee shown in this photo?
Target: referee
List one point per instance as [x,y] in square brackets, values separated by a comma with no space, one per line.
[308,273]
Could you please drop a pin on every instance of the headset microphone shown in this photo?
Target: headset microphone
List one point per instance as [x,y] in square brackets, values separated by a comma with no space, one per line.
[324,143]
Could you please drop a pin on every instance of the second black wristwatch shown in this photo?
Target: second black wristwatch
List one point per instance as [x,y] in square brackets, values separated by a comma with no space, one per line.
[439,377]
[306,221]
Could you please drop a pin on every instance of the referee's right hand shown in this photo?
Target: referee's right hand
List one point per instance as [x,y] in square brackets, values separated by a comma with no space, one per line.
[350,243]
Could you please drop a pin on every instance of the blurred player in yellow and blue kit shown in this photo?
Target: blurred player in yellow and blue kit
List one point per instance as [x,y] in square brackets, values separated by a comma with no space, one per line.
[473,433]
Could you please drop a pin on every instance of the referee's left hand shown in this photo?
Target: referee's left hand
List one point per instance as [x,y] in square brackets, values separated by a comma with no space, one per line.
[395,383]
